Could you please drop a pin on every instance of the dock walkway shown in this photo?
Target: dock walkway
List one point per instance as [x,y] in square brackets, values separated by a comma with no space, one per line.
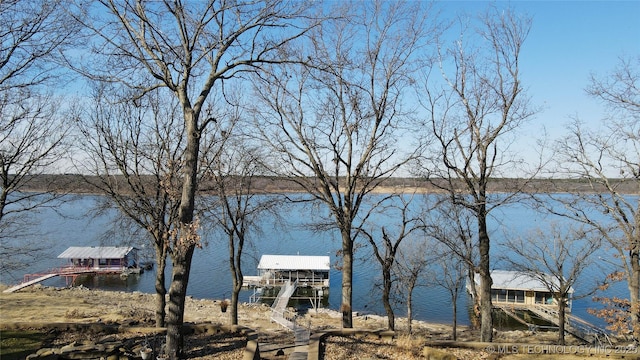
[31,279]
[573,324]
[278,315]
[29,283]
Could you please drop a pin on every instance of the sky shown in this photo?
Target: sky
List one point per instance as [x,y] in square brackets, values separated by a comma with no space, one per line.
[568,41]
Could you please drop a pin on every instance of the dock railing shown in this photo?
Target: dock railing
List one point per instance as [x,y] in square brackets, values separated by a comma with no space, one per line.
[279,312]
[575,325]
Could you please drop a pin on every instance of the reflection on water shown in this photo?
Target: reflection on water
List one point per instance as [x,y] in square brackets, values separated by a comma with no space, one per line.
[113,282]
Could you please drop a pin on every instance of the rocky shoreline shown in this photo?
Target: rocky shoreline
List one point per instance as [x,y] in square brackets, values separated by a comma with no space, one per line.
[39,304]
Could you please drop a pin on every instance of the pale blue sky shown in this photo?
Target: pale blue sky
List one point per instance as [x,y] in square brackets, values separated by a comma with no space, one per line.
[568,41]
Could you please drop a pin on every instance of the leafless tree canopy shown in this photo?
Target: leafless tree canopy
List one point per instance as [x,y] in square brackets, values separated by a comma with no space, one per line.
[471,120]
[608,159]
[134,151]
[336,120]
[557,258]
[31,32]
[191,49]
[31,130]
[385,241]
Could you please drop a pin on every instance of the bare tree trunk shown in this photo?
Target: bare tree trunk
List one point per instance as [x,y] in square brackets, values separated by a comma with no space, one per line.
[186,241]
[177,295]
[486,326]
[634,291]
[454,327]
[237,286]
[561,319]
[161,290]
[409,312]
[236,272]
[475,307]
[347,276]
[386,294]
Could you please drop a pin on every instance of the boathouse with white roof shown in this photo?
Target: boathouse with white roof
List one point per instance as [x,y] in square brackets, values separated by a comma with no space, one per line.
[290,277]
[516,293]
[282,278]
[306,270]
[101,258]
[88,260]
[520,288]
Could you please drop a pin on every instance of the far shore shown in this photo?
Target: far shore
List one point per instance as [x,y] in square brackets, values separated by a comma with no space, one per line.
[83,184]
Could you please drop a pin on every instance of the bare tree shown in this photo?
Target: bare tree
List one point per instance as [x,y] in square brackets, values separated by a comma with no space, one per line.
[32,32]
[189,49]
[32,132]
[449,272]
[231,164]
[335,122]
[412,262]
[385,249]
[607,162]
[134,151]
[452,226]
[472,118]
[557,258]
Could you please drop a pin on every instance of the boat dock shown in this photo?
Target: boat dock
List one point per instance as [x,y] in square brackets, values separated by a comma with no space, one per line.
[276,272]
[519,293]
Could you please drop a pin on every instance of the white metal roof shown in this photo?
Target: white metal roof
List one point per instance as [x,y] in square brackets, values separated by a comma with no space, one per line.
[96,252]
[294,262]
[517,280]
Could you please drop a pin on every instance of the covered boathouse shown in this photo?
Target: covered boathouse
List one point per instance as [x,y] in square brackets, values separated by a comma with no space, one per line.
[306,277]
[525,298]
[520,288]
[102,259]
[98,260]
[307,270]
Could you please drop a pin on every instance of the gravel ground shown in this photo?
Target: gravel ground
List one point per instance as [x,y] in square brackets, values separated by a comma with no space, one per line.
[404,348]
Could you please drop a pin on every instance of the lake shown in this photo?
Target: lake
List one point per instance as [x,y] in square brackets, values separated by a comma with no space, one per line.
[68,225]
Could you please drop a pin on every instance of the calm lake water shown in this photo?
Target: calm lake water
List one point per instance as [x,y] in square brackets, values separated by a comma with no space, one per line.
[67,225]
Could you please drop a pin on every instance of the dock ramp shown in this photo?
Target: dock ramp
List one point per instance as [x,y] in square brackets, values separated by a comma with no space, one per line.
[280,314]
[279,307]
[573,324]
[30,282]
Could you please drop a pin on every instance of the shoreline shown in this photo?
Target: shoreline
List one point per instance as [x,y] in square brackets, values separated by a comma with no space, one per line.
[41,304]
[38,306]
[196,310]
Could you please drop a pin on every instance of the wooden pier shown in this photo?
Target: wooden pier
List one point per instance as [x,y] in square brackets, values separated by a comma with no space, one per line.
[29,283]
[69,272]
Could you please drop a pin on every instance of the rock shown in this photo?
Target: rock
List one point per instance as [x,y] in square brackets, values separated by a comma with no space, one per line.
[436,354]
[45,354]
[47,351]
